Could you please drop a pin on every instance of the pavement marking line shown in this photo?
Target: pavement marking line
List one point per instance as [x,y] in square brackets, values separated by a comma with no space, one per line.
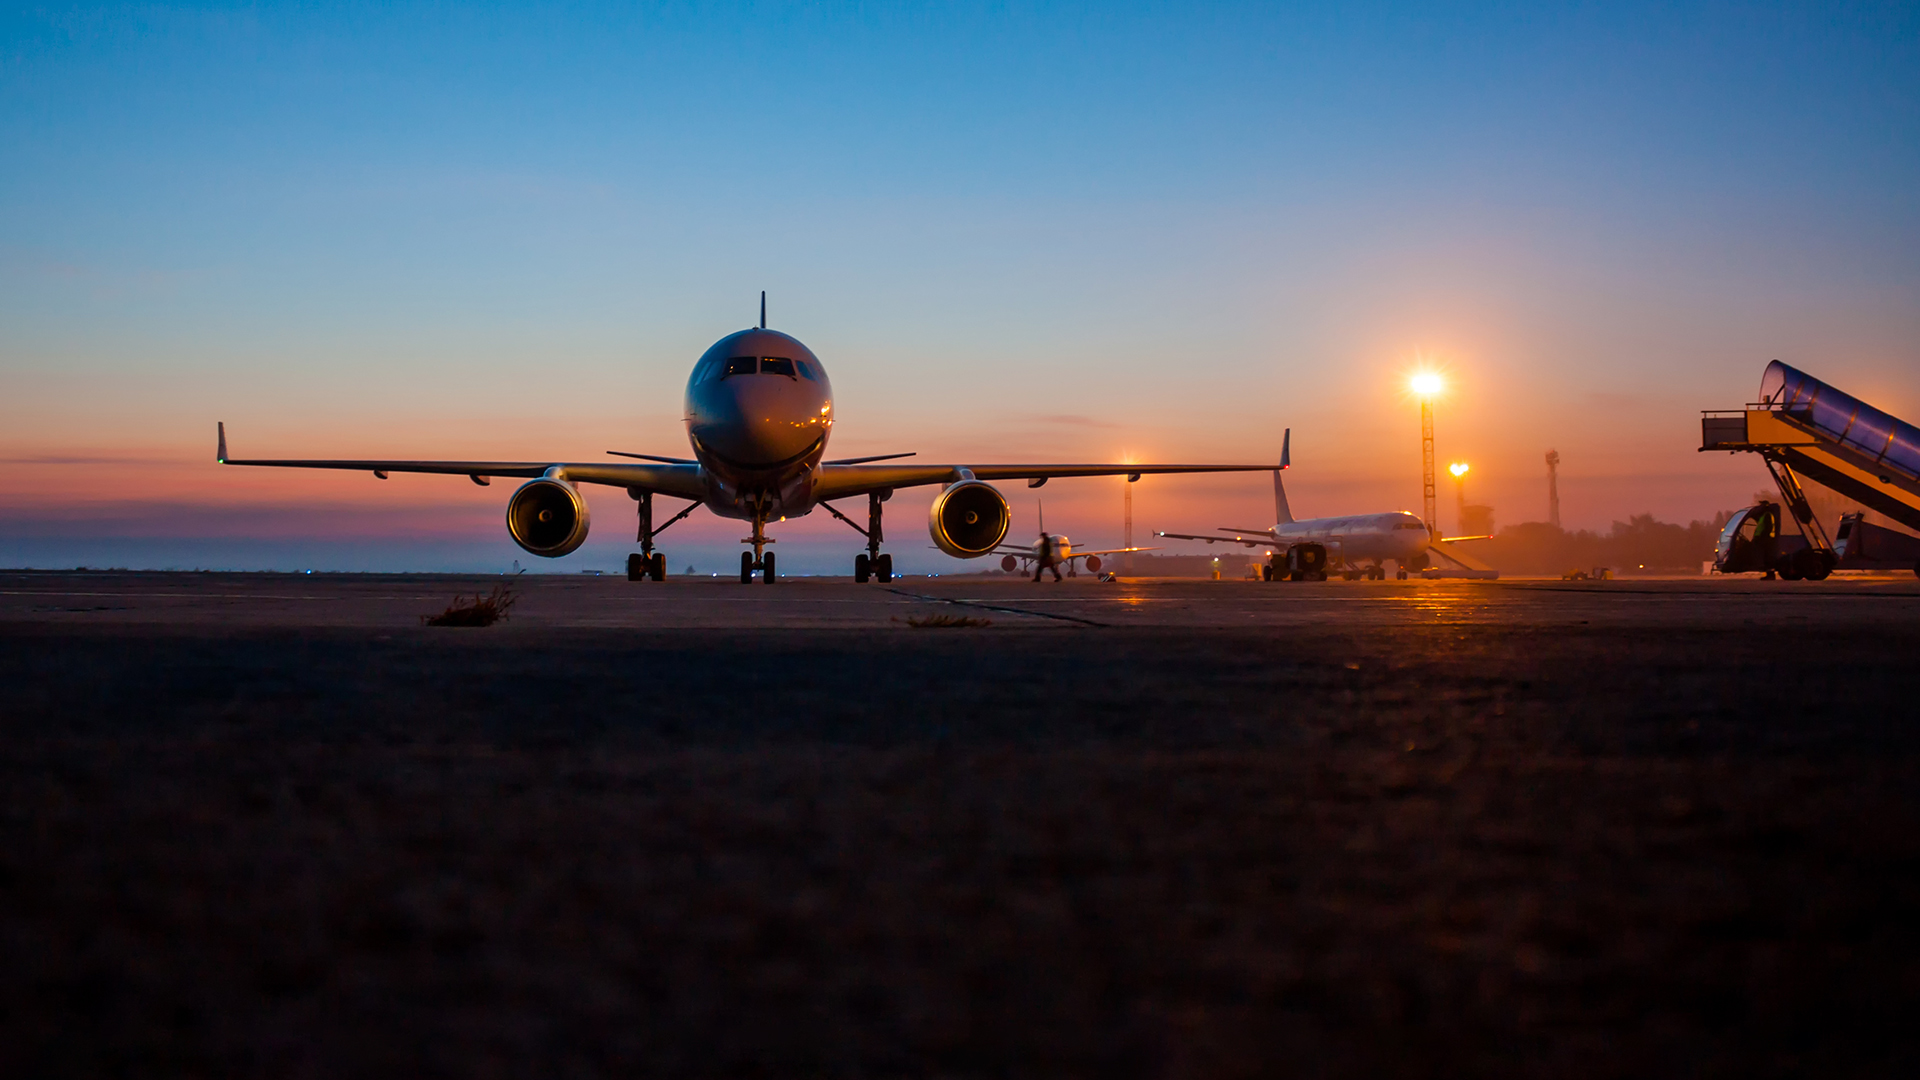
[992,607]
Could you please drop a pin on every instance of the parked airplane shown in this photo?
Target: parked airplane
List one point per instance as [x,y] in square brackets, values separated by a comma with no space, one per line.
[759,410]
[1051,551]
[1358,545]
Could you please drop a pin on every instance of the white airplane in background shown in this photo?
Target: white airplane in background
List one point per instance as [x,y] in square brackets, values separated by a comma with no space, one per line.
[759,410]
[1051,551]
[1356,546]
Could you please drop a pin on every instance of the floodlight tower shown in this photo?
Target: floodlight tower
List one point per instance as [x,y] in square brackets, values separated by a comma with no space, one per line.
[1553,488]
[1427,384]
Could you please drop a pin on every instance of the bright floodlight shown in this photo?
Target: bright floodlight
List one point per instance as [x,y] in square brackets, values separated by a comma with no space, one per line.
[1426,384]
[1458,468]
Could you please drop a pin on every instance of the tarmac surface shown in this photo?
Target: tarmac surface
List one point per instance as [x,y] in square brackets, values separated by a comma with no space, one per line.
[274,825]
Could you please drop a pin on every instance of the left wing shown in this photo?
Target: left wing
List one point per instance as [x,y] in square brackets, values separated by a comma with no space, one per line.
[841,481]
[680,480]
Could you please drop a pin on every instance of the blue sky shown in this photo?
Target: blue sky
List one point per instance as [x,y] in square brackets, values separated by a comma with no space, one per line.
[1012,231]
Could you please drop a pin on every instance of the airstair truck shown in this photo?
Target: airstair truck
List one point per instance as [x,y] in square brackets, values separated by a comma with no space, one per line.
[1803,427]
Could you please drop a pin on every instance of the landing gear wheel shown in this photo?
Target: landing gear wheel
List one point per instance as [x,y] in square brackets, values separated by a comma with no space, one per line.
[767,573]
[746,568]
[1402,575]
[884,569]
[659,566]
[862,567]
[636,567]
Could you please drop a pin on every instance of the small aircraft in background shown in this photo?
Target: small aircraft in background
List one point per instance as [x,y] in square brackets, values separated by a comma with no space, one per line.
[1051,552]
[1306,549]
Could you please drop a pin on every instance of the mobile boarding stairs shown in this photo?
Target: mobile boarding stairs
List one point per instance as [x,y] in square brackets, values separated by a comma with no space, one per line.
[1801,427]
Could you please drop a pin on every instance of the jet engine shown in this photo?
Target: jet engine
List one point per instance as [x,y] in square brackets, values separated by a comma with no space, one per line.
[968,519]
[547,517]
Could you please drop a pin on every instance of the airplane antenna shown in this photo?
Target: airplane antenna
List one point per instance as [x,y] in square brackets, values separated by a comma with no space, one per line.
[763,309]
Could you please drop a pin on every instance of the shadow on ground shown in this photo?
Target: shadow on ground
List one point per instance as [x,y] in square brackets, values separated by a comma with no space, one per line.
[979,852]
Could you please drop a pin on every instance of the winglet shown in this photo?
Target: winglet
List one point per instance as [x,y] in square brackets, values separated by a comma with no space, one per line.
[220,455]
[1286,449]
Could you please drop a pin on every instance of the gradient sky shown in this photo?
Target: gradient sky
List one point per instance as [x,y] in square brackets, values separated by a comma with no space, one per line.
[1013,232]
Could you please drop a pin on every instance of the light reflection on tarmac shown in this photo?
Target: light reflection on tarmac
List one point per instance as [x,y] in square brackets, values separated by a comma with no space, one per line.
[558,601]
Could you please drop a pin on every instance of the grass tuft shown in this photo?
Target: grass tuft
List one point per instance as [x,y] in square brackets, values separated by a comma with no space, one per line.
[476,611]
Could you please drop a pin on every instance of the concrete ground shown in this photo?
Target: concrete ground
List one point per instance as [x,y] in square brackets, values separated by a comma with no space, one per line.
[273,825]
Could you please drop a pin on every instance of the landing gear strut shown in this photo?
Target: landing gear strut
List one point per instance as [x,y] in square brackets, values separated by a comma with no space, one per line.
[871,563]
[650,563]
[761,559]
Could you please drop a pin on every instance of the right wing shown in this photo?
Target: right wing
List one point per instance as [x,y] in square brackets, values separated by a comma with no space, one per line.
[841,481]
[684,481]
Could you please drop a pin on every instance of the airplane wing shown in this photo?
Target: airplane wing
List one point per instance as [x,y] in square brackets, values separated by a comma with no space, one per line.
[841,481]
[1110,551]
[680,480]
[1254,540]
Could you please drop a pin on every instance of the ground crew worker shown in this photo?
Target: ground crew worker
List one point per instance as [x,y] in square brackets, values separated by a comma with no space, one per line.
[1046,561]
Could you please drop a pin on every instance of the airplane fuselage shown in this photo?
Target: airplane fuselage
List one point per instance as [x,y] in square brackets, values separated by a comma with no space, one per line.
[759,410]
[1362,538]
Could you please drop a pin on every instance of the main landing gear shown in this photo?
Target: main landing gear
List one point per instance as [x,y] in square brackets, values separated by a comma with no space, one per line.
[870,563]
[648,563]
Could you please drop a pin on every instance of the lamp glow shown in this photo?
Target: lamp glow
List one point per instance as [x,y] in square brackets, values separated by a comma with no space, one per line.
[1458,468]
[1426,384]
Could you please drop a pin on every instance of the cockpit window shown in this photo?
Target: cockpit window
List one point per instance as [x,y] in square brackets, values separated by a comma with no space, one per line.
[741,365]
[806,370]
[776,365]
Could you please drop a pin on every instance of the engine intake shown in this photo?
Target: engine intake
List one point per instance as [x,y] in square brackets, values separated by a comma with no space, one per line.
[547,517]
[968,519]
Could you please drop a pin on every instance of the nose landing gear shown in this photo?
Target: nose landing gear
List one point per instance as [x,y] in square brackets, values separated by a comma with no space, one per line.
[761,559]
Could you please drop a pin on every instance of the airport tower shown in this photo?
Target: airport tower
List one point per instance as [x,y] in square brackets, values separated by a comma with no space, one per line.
[1553,488]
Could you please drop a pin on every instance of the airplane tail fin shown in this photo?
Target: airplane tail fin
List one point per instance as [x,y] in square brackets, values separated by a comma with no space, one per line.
[1282,514]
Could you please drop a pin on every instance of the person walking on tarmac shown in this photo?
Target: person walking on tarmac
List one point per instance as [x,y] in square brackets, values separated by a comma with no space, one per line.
[1048,557]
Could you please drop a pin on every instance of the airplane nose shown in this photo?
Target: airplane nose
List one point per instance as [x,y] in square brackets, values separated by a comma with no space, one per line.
[761,419]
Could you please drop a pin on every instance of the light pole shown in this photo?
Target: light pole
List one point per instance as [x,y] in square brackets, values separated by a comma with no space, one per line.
[1427,384]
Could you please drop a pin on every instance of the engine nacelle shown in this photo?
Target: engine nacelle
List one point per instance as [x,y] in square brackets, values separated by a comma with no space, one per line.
[547,517]
[968,519]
